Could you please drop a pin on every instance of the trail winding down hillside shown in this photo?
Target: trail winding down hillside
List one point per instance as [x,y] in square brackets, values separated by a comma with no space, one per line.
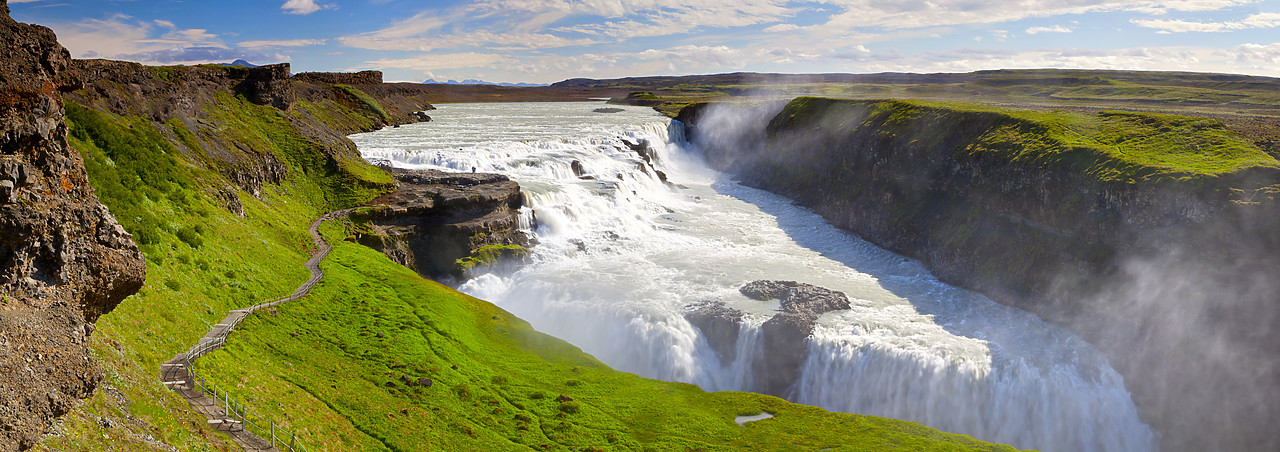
[224,414]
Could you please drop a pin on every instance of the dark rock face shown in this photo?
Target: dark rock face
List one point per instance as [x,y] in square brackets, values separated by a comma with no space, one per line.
[184,93]
[1156,274]
[269,85]
[784,337]
[797,297]
[345,78]
[436,218]
[720,325]
[641,148]
[181,93]
[64,260]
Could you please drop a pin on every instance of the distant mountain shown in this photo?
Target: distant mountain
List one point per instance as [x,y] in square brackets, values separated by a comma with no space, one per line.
[472,81]
[241,63]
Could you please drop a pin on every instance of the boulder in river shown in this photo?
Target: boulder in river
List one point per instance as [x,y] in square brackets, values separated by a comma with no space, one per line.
[783,338]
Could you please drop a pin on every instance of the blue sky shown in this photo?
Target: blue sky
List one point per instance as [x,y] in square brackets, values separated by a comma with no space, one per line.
[551,40]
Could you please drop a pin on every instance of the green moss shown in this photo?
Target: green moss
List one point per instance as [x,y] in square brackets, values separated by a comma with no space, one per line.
[338,178]
[135,172]
[489,255]
[171,74]
[367,103]
[1110,146]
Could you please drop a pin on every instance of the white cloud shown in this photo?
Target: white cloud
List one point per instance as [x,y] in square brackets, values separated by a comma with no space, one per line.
[495,41]
[282,43]
[105,38]
[303,6]
[433,62]
[1053,29]
[890,15]
[123,37]
[1174,58]
[1256,56]
[517,36]
[1261,20]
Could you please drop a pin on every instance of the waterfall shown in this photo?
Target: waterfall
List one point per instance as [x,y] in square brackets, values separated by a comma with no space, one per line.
[621,256]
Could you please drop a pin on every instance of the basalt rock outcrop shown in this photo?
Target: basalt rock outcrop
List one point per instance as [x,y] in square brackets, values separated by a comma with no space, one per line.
[784,338]
[64,260]
[187,95]
[1159,269]
[346,78]
[442,224]
[162,94]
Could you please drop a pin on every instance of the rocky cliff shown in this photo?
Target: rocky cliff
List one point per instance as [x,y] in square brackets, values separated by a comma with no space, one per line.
[346,78]
[64,260]
[1166,260]
[200,102]
[446,226]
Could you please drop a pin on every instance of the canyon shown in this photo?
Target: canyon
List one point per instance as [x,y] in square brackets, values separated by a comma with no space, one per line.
[1165,268]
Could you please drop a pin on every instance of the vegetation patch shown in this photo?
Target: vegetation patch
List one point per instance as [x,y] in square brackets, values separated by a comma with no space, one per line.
[490,255]
[202,260]
[1110,146]
[365,101]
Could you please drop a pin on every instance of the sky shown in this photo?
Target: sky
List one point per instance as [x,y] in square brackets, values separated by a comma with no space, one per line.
[544,41]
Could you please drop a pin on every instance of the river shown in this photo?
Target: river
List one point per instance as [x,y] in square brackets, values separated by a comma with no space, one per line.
[621,256]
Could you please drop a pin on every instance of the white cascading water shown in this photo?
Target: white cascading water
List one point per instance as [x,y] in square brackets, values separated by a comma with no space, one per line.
[620,257]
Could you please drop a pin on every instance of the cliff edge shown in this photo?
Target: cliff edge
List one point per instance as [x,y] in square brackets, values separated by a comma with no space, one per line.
[1152,236]
[64,260]
[445,226]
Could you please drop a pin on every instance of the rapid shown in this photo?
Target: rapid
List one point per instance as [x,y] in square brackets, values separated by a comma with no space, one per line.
[621,255]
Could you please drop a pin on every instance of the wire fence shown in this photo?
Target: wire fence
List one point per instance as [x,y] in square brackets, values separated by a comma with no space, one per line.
[236,413]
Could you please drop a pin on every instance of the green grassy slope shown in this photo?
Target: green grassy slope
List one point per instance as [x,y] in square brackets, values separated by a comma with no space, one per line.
[331,367]
[202,260]
[1109,145]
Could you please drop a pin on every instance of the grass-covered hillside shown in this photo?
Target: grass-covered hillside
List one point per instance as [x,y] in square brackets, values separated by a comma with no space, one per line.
[343,367]
[1109,145]
[202,259]
[329,366]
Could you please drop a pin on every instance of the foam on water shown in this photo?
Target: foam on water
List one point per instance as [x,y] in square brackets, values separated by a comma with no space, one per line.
[619,258]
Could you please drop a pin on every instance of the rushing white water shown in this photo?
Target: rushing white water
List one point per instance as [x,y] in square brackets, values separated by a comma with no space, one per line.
[619,258]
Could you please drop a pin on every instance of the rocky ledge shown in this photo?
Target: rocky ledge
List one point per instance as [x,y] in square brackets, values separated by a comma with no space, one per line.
[784,337]
[64,260]
[446,226]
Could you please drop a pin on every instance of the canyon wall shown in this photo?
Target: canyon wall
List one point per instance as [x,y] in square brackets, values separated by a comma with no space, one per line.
[1171,272]
[64,260]
[445,226]
[346,78]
